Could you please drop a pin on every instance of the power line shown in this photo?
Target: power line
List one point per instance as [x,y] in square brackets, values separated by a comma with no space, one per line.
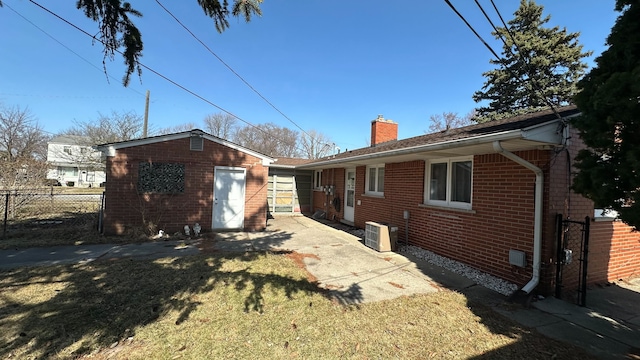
[525,60]
[65,46]
[472,29]
[158,73]
[502,61]
[231,69]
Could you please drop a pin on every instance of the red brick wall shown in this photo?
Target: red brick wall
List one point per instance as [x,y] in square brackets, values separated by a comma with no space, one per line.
[126,209]
[502,216]
[383,130]
[321,201]
[614,252]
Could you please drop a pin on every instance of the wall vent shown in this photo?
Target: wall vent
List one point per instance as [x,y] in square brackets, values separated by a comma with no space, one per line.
[197,143]
[517,258]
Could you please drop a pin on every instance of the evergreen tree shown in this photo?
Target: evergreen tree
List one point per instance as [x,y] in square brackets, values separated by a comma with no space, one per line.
[609,100]
[544,64]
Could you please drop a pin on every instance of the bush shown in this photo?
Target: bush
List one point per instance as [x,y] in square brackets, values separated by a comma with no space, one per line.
[70,183]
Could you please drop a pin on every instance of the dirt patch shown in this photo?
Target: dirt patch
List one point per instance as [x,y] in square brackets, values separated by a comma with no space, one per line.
[396,285]
[298,258]
[206,245]
[334,287]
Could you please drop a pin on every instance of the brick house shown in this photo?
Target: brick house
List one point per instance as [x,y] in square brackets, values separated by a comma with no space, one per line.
[169,181]
[475,193]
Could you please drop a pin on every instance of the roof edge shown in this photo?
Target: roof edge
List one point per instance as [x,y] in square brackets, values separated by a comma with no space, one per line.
[110,149]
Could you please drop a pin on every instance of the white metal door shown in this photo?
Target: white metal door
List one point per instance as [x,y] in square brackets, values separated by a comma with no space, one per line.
[350,194]
[228,198]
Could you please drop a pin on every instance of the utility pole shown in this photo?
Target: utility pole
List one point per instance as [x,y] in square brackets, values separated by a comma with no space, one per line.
[146,116]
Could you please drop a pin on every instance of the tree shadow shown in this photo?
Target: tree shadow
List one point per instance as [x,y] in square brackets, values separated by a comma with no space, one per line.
[97,304]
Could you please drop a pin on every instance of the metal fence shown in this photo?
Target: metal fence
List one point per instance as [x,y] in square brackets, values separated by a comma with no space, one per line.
[24,210]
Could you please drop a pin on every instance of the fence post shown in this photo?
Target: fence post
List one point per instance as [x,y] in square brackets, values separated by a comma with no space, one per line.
[559,254]
[6,212]
[585,262]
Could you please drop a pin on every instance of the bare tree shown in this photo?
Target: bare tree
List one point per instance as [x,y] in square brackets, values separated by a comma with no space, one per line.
[175,129]
[22,149]
[315,145]
[119,126]
[269,139]
[449,120]
[221,125]
[20,135]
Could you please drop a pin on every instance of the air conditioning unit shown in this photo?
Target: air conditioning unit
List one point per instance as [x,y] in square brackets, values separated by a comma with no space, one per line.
[381,237]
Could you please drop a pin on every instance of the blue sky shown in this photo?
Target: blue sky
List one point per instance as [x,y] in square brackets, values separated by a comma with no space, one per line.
[330,66]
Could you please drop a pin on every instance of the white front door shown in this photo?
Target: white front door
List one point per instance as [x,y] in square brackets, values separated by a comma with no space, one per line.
[228,198]
[349,195]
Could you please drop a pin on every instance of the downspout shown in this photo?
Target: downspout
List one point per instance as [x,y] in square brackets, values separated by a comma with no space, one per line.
[537,219]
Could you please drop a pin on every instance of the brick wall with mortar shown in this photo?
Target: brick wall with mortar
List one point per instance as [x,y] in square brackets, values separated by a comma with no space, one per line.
[614,250]
[126,209]
[502,216]
[383,130]
[324,202]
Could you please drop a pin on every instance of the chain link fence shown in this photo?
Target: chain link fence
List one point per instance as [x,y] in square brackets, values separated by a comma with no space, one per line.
[26,210]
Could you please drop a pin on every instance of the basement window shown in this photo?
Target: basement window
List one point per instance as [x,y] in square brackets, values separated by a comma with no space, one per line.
[448,182]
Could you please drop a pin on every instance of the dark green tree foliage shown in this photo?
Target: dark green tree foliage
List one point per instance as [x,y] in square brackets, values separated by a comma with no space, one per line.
[541,67]
[609,100]
[119,34]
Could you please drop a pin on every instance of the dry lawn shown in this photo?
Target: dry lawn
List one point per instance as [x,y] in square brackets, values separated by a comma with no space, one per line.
[240,306]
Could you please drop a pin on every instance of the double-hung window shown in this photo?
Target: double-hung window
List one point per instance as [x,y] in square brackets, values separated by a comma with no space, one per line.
[449,182]
[375,180]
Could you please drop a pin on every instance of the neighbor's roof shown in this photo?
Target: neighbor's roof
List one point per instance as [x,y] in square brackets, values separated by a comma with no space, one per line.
[517,133]
[110,149]
[289,162]
[69,140]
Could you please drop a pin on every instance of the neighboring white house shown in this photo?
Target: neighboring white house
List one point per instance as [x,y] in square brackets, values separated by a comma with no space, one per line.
[74,163]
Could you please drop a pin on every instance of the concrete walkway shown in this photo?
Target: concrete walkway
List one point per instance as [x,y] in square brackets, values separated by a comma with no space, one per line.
[609,327]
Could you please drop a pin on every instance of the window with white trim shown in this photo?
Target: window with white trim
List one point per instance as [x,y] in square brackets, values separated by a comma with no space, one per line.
[317,180]
[449,182]
[375,180]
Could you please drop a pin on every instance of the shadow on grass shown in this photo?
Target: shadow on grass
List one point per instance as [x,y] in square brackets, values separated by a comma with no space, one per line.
[67,228]
[87,307]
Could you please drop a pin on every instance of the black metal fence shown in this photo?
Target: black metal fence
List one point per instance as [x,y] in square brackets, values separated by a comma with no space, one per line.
[572,255]
[32,210]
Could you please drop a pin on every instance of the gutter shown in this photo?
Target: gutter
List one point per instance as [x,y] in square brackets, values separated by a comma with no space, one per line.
[537,220]
[483,139]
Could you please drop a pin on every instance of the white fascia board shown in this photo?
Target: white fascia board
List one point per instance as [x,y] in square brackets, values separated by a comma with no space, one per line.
[549,133]
[506,135]
[110,149]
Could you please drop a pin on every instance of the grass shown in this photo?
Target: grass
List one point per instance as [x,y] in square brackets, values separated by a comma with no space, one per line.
[244,306]
[58,220]
[63,228]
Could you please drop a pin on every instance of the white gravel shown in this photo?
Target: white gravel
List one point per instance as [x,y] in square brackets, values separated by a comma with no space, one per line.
[481,278]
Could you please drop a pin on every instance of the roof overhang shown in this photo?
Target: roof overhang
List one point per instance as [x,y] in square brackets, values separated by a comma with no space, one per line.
[542,136]
[110,149]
